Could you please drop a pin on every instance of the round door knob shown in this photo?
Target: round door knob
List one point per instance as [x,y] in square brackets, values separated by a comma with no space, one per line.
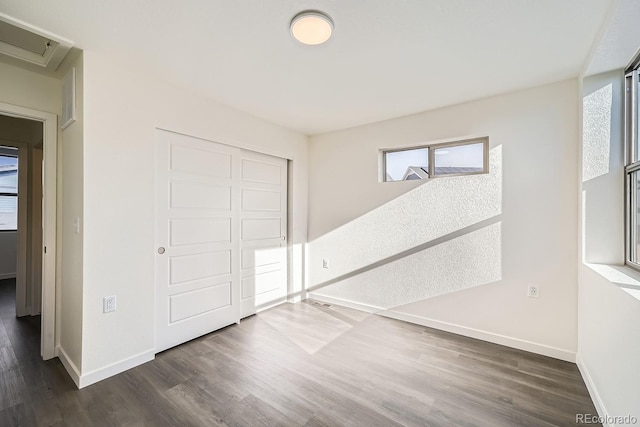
[284,237]
[160,250]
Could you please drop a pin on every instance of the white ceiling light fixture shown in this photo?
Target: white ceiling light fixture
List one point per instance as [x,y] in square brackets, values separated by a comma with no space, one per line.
[311,27]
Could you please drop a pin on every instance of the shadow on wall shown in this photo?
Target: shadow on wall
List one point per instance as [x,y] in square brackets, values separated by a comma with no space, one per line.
[438,238]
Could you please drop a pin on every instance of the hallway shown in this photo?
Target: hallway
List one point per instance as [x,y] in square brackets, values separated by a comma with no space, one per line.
[27,383]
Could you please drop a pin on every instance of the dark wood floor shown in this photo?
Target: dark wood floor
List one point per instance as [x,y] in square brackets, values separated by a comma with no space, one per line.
[296,365]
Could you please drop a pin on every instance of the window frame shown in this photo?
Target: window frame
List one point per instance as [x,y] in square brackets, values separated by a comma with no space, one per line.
[431,147]
[631,166]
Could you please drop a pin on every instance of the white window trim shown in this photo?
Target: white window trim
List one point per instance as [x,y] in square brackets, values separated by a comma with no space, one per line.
[431,152]
[630,141]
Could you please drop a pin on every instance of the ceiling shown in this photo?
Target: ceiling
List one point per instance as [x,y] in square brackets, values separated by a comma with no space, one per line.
[620,39]
[387,58]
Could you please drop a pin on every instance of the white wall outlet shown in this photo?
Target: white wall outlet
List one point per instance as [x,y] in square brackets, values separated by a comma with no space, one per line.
[109,304]
[533,291]
[325,263]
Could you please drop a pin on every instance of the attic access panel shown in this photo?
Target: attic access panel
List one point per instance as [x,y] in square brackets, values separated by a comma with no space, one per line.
[29,44]
[24,39]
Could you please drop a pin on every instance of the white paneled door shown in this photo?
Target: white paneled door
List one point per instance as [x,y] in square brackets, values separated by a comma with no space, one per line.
[263,228]
[217,240]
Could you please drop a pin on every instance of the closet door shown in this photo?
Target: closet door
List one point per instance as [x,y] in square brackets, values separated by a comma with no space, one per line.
[263,231]
[197,238]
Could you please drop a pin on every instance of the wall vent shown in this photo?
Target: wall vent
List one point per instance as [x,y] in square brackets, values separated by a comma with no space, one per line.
[27,43]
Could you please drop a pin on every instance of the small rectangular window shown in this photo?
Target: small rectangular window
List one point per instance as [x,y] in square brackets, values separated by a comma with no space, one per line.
[8,192]
[407,165]
[430,161]
[459,159]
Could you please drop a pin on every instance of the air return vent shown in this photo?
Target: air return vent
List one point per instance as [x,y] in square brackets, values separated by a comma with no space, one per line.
[22,41]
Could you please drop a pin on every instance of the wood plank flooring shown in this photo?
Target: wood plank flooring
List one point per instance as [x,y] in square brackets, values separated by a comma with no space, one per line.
[306,364]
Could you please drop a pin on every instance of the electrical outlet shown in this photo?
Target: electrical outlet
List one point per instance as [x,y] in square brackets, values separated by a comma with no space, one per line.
[325,263]
[533,291]
[109,304]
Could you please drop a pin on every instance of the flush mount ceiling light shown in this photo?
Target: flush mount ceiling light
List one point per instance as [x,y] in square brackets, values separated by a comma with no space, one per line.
[311,27]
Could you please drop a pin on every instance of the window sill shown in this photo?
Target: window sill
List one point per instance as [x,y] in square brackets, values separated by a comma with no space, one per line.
[622,276]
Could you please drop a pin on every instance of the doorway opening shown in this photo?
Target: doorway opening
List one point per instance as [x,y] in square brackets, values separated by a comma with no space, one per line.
[28,146]
[21,144]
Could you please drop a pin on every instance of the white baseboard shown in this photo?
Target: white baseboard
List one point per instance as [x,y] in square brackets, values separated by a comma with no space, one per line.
[71,368]
[556,353]
[7,276]
[591,387]
[115,368]
[345,303]
[532,347]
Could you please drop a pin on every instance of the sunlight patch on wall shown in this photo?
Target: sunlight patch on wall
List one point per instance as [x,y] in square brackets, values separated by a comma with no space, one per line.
[470,260]
[437,208]
[596,124]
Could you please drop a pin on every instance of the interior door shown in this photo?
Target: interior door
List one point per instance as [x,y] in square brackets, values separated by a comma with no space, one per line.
[263,240]
[197,213]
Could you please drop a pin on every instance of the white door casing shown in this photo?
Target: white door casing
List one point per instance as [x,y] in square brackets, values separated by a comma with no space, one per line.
[199,232]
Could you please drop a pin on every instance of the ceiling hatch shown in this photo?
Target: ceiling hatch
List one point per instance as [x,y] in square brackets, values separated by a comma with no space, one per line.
[21,41]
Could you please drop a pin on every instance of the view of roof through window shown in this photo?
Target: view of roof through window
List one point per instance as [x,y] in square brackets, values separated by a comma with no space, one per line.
[413,164]
[399,162]
[459,159]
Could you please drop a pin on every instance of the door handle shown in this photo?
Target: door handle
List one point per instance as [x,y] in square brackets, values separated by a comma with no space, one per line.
[160,250]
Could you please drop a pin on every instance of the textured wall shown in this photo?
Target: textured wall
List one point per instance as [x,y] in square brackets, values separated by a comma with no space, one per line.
[459,251]
[596,130]
[443,236]
[603,168]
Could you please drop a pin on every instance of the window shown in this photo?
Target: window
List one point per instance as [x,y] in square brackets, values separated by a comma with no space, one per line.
[632,167]
[430,161]
[8,189]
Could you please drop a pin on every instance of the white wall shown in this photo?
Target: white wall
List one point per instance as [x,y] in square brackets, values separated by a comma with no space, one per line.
[609,314]
[28,89]
[457,253]
[123,106]
[41,92]
[70,209]
[602,168]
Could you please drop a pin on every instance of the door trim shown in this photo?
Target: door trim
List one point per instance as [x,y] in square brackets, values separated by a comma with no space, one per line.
[49,191]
